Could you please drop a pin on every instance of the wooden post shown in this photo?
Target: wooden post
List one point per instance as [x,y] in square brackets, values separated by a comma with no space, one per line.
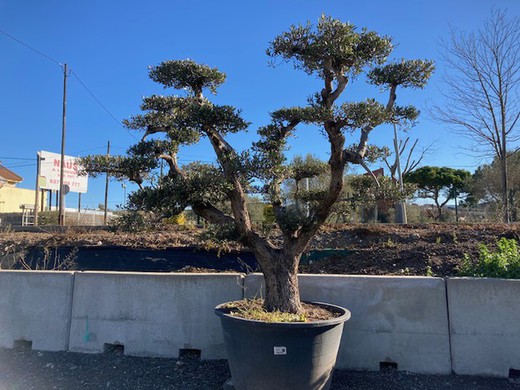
[79,208]
[37,190]
[42,200]
[61,211]
[106,189]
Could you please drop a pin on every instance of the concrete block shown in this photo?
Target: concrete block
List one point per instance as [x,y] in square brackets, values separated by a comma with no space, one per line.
[151,314]
[484,325]
[35,306]
[399,320]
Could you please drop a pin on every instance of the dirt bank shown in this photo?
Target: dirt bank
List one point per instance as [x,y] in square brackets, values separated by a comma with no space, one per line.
[430,249]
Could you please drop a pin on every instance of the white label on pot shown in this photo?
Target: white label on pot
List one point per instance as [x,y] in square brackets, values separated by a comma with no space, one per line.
[280,350]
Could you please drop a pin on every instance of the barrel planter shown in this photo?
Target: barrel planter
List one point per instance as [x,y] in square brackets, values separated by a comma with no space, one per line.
[282,355]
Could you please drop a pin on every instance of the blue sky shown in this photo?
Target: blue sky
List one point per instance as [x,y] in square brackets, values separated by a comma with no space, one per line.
[108,45]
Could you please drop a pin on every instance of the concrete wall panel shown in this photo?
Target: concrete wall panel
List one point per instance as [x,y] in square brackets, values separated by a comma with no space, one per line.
[484,325]
[399,320]
[35,306]
[151,314]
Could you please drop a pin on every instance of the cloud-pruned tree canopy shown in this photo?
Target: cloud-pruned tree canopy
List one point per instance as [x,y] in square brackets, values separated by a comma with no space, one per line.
[334,51]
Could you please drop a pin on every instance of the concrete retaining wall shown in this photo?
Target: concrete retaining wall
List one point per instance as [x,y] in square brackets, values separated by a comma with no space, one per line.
[395,320]
[399,320]
[35,307]
[151,314]
[484,325]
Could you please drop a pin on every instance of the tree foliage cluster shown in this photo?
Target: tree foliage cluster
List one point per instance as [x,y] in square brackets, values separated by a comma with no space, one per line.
[485,186]
[441,184]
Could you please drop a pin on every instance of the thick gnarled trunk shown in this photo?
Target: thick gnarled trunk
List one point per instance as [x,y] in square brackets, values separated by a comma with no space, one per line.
[281,281]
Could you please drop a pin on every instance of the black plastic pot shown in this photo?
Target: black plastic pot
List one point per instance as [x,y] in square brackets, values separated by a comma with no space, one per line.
[282,355]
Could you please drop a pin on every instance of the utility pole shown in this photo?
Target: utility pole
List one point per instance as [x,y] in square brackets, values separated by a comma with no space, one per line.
[106,189]
[79,207]
[37,190]
[61,211]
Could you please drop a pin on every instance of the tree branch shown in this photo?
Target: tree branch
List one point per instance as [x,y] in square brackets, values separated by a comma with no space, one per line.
[153,130]
[174,170]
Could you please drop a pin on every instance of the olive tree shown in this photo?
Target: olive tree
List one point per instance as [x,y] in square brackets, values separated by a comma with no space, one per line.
[331,50]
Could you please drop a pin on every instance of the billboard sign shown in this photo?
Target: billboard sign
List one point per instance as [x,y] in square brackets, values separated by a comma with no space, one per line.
[50,164]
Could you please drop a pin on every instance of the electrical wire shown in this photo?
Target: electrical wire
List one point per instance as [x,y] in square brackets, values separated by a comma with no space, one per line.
[101,104]
[196,160]
[31,48]
[80,152]
[15,158]
[73,73]
[20,166]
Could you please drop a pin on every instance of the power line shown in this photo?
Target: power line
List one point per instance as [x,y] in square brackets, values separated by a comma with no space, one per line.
[101,104]
[15,158]
[72,72]
[31,48]
[196,160]
[20,166]
[90,149]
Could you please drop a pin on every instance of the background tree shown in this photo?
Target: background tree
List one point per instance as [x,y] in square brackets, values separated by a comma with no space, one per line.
[380,195]
[410,157]
[309,178]
[400,161]
[486,184]
[439,183]
[482,89]
[333,51]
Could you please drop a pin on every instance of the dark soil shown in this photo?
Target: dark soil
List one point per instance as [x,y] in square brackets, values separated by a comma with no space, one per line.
[36,370]
[429,249]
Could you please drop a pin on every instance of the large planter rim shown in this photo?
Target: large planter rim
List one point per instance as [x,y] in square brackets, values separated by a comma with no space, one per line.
[344,316]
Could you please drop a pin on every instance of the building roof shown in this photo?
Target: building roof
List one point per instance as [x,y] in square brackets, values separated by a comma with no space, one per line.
[9,176]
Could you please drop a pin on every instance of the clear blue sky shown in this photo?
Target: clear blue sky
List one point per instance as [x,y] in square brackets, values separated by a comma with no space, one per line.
[109,44]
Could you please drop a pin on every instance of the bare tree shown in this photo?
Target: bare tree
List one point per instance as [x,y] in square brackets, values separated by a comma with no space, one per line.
[405,159]
[409,157]
[482,89]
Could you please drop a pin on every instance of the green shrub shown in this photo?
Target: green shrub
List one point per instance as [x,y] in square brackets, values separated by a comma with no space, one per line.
[503,263]
[131,222]
[48,218]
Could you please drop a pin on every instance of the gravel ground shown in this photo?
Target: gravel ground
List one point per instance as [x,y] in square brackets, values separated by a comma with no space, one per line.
[23,369]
